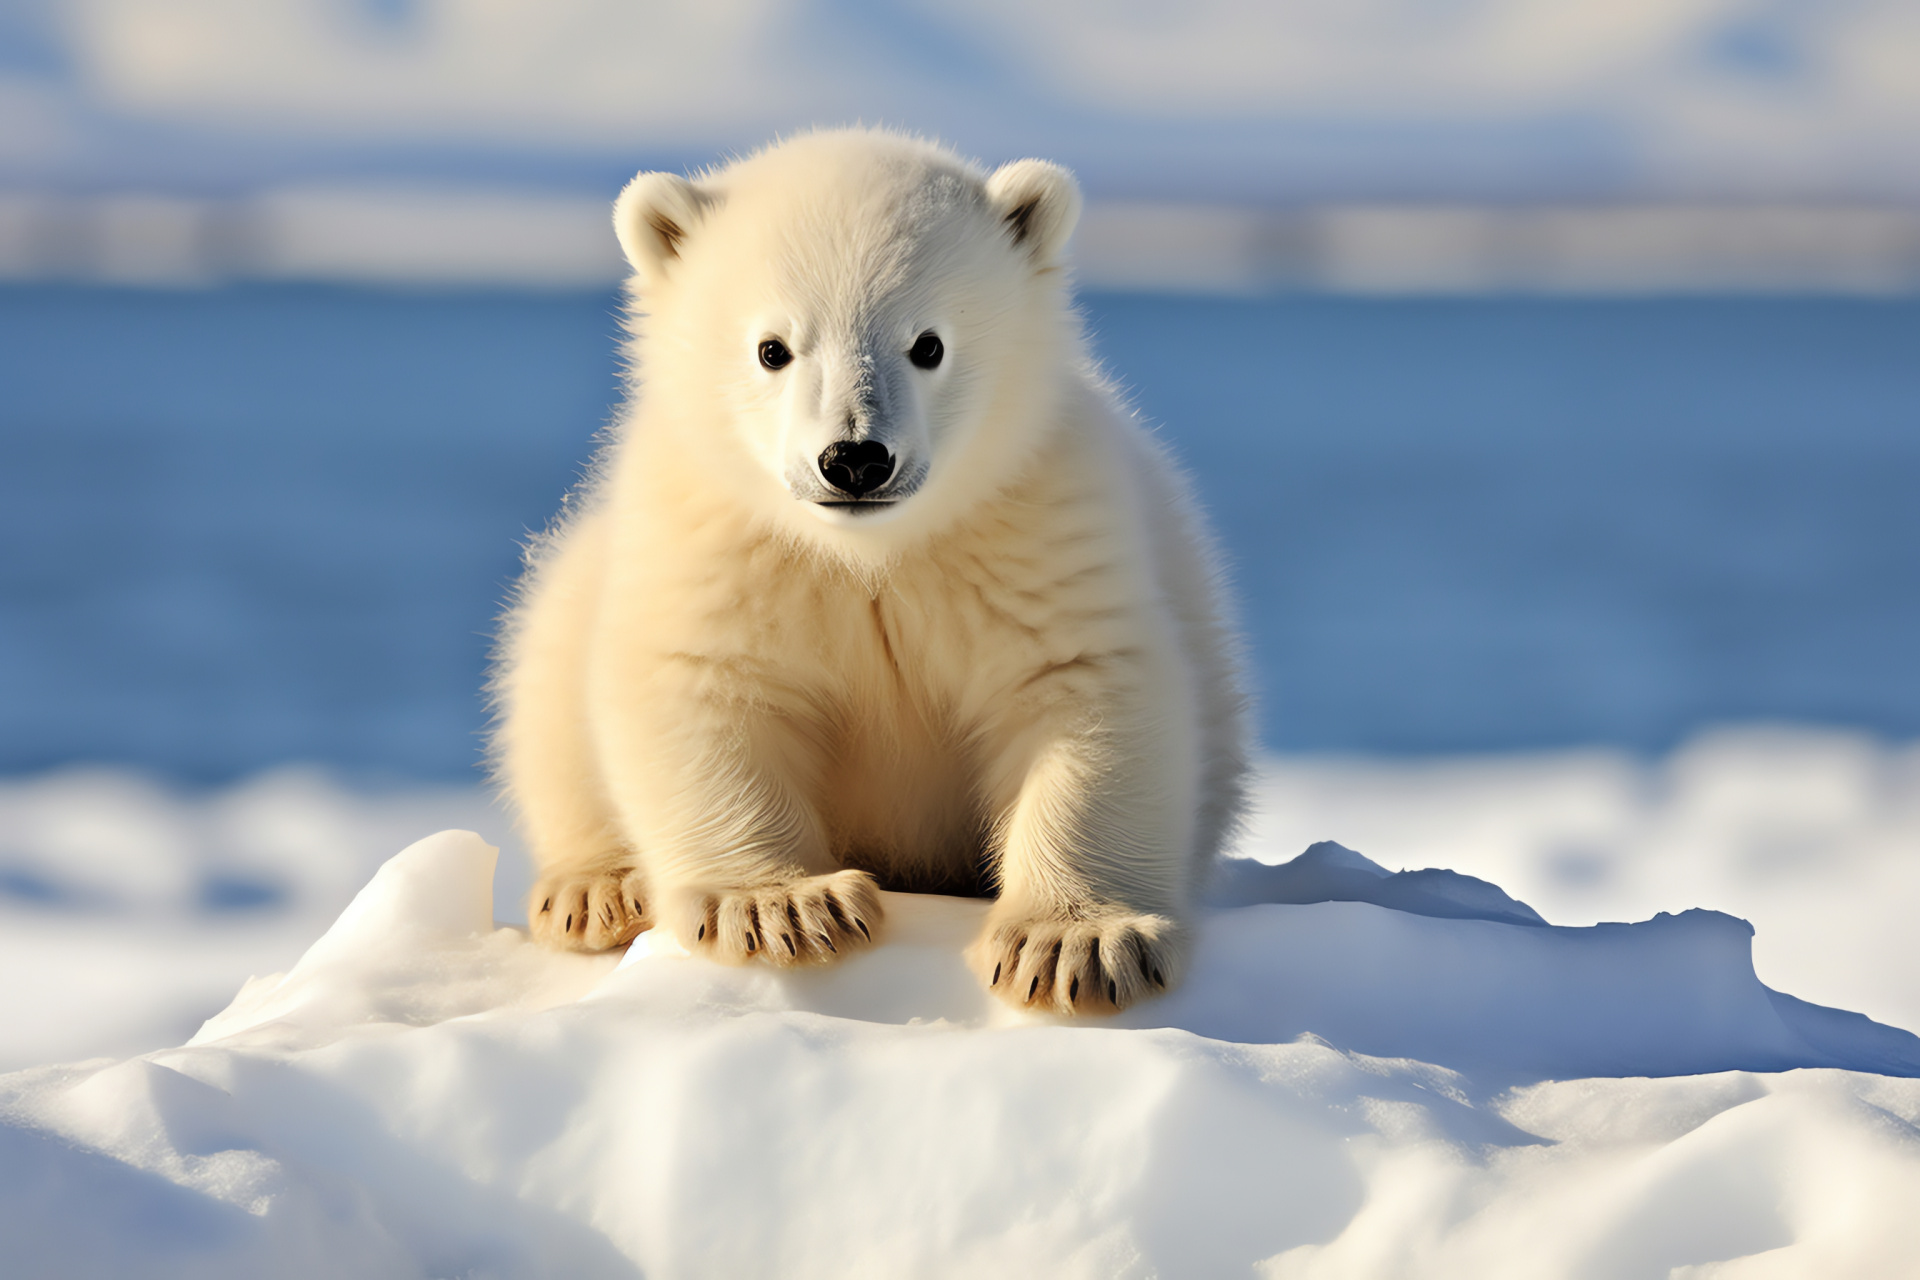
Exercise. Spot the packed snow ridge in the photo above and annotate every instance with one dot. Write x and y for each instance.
(1364, 1074)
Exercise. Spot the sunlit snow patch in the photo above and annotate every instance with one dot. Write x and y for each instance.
(1333, 1092)
(1454, 973)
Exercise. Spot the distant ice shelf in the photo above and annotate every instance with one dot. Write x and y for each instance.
(423, 235)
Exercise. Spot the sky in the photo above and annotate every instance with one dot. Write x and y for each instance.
(1204, 101)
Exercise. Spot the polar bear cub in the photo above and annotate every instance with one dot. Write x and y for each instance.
(874, 586)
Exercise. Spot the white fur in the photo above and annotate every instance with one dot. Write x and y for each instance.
(722, 705)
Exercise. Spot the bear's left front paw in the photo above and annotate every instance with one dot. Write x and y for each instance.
(1098, 965)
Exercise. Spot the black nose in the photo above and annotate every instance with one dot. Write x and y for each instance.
(856, 468)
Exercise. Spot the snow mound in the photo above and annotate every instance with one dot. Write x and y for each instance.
(1341, 1088)
(1329, 872)
(1674, 995)
(1810, 834)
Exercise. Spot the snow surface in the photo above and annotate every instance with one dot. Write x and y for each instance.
(427, 1094)
(1812, 836)
(130, 913)
(1368, 1073)
(138, 910)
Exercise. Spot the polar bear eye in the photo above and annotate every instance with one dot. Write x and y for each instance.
(927, 350)
(774, 354)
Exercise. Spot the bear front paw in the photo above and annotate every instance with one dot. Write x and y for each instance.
(812, 921)
(1098, 965)
(588, 910)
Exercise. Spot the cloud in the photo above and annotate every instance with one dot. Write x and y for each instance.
(1233, 57)
(561, 70)
(39, 119)
(1786, 96)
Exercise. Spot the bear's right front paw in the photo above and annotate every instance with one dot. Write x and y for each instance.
(588, 910)
(816, 920)
(1074, 966)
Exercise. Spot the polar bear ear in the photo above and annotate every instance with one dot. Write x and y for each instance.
(1039, 202)
(652, 218)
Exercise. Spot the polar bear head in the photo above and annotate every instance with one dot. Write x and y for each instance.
(858, 332)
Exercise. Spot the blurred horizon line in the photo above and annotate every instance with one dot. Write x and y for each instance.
(488, 237)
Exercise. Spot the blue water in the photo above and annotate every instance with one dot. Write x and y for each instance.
(256, 525)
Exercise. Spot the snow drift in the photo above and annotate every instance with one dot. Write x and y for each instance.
(1341, 1088)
